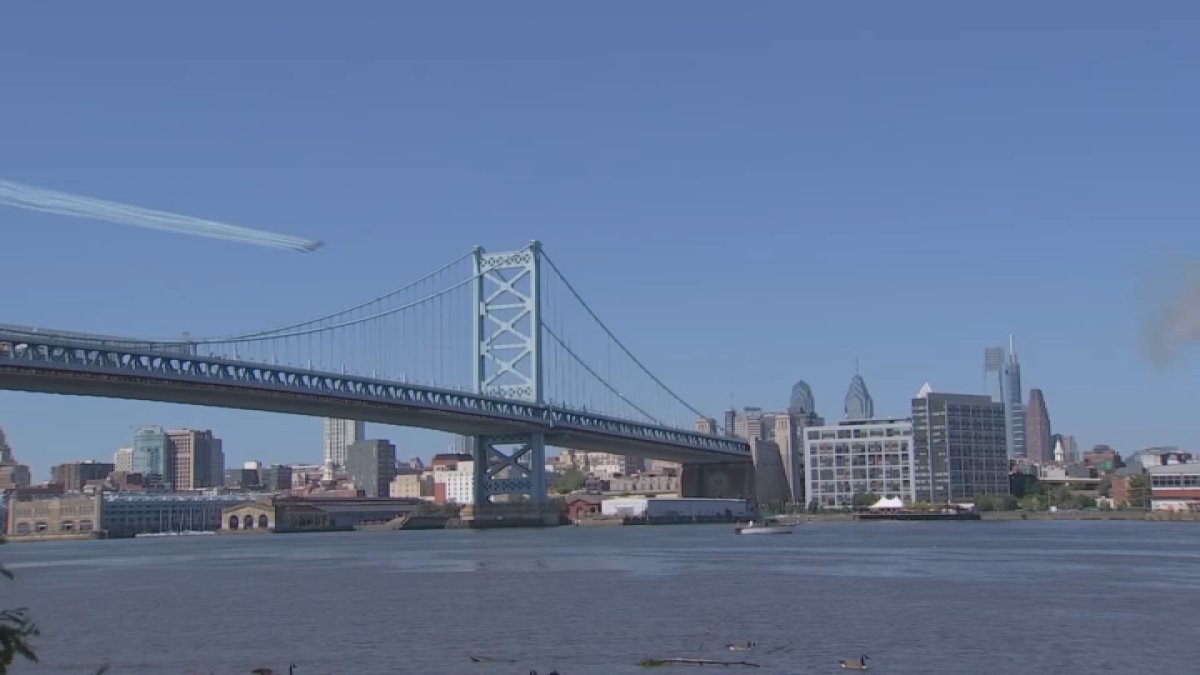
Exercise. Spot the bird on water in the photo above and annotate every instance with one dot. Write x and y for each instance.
(854, 664)
(268, 671)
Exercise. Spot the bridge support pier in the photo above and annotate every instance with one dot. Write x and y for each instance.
(510, 482)
(718, 480)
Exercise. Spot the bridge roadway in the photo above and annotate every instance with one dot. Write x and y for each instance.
(69, 365)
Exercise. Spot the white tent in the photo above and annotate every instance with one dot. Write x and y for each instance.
(886, 503)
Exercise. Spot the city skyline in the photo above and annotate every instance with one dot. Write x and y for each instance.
(672, 164)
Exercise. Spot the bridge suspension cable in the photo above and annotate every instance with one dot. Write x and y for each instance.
(622, 369)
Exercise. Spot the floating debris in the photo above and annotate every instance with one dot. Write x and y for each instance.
(656, 663)
(490, 659)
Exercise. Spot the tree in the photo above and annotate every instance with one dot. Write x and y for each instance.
(865, 499)
(16, 629)
(572, 480)
(1139, 491)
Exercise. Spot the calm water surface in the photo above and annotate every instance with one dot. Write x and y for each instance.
(922, 598)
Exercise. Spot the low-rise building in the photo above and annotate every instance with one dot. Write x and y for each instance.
(127, 514)
(412, 485)
(296, 514)
(657, 508)
(1175, 487)
(55, 516)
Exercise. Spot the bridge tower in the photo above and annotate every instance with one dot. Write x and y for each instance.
(508, 364)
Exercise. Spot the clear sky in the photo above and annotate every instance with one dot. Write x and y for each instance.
(750, 193)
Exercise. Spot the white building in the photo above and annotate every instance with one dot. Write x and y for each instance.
(339, 435)
(123, 460)
(1175, 487)
(657, 507)
(454, 481)
(859, 457)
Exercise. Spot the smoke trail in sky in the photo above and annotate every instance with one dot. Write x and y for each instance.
(1172, 305)
(61, 203)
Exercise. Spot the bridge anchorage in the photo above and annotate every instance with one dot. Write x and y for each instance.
(544, 370)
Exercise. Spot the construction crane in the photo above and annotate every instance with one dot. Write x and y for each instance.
(32, 198)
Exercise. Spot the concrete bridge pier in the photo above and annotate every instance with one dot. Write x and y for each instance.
(718, 480)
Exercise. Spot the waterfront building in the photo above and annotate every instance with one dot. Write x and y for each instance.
(338, 436)
(453, 479)
(371, 465)
(960, 446)
(653, 508)
(128, 514)
(859, 457)
(199, 459)
(123, 460)
(322, 514)
(1175, 487)
(74, 475)
(706, 425)
(54, 516)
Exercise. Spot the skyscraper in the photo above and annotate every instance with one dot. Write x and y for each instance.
(749, 424)
(123, 460)
(339, 435)
(199, 459)
(802, 401)
(1038, 445)
(858, 404)
(1014, 411)
(731, 416)
(153, 457)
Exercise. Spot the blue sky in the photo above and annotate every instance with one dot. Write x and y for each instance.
(750, 193)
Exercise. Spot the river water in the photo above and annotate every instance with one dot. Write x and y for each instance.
(978, 598)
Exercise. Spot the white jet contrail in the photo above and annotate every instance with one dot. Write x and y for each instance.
(51, 201)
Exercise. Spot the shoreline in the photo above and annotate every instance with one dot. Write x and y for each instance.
(1151, 516)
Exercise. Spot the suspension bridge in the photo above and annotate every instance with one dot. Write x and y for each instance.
(499, 347)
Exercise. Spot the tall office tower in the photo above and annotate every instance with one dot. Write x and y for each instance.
(339, 435)
(199, 459)
(1014, 410)
(1038, 446)
(372, 466)
(749, 424)
(951, 463)
(153, 457)
(731, 416)
(123, 460)
(802, 401)
(1008, 377)
(858, 403)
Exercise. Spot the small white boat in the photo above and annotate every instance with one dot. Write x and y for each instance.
(768, 526)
